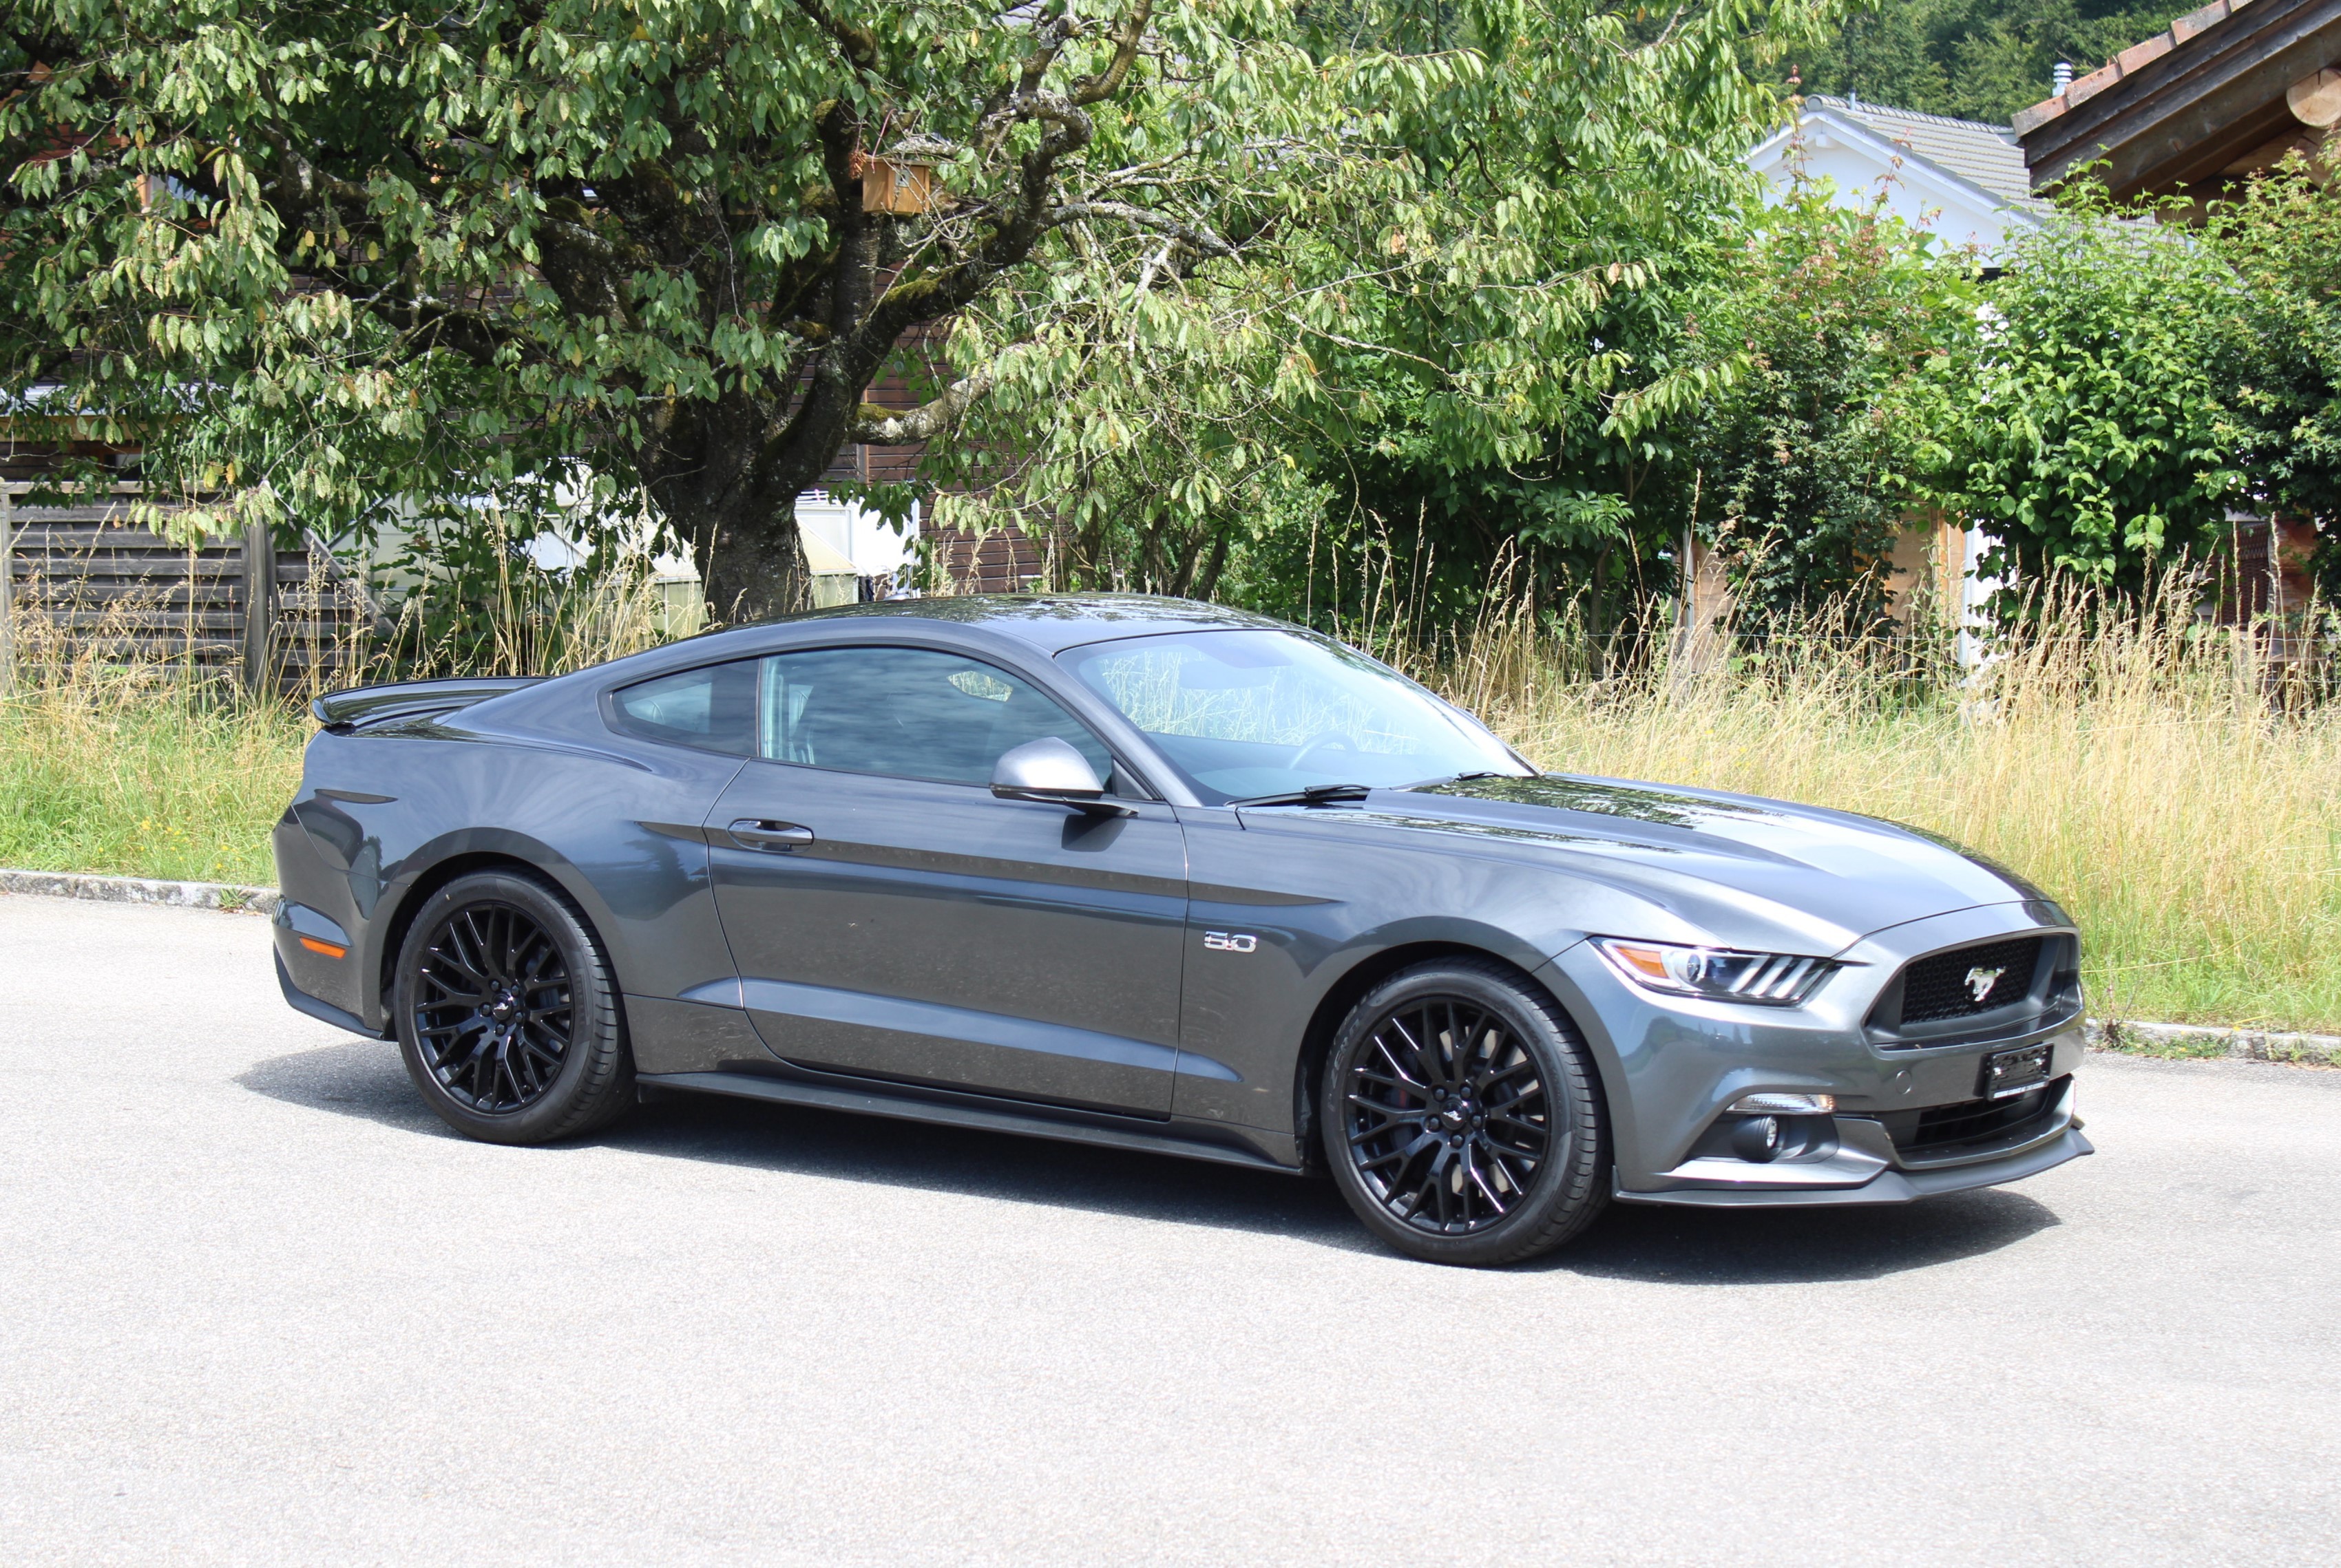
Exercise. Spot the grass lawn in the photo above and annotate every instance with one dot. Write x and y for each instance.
(156, 785)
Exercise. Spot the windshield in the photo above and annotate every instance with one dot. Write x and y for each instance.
(1244, 713)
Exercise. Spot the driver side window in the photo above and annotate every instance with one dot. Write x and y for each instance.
(909, 712)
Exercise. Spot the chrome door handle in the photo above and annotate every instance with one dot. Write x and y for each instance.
(755, 833)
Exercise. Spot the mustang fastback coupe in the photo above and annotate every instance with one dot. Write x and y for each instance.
(1168, 877)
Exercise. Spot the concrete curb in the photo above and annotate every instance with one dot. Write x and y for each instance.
(2201, 1040)
(2187, 1041)
(141, 890)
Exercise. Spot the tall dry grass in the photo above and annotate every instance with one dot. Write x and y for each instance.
(526, 621)
(2175, 790)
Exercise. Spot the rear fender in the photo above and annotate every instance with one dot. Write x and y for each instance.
(439, 862)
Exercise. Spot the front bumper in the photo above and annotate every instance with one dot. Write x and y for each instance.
(1913, 1118)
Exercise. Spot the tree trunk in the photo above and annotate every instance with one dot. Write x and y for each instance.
(751, 563)
(734, 502)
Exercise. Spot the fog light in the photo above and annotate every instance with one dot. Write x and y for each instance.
(1757, 1139)
(1780, 1102)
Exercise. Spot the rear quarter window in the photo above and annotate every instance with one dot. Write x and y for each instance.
(712, 708)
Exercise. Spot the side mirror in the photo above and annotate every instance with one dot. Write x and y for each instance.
(1049, 769)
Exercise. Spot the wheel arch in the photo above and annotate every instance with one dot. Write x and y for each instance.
(1346, 992)
(463, 861)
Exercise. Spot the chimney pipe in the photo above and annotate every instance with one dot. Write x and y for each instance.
(2061, 78)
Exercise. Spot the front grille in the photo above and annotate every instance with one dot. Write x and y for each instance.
(1938, 987)
(1939, 1129)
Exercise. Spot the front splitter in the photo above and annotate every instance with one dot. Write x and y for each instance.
(1889, 1186)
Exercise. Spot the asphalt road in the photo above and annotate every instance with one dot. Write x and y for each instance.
(256, 1306)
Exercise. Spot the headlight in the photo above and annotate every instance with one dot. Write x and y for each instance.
(1717, 974)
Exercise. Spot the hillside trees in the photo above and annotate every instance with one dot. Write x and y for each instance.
(1974, 59)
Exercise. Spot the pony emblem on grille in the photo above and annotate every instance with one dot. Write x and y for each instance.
(1981, 980)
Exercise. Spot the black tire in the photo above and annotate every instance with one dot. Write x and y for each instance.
(508, 1015)
(1429, 1120)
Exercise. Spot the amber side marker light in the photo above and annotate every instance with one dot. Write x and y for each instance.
(327, 949)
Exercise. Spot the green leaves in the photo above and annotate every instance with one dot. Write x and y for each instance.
(2086, 429)
(1454, 230)
(1802, 466)
(2281, 367)
(342, 256)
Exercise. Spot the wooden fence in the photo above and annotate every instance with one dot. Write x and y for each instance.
(79, 578)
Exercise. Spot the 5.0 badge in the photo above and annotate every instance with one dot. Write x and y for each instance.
(1231, 941)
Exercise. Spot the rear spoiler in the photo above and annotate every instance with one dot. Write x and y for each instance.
(364, 705)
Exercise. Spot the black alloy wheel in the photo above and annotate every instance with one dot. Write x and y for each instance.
(508, 1017)
(1448, 1119)
(492, 1007)
(1461, 1118)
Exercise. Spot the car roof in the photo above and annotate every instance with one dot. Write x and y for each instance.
(1051, 621)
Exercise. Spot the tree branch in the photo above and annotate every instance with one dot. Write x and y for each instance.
(888, 427)
(301, 187)
(859, 44)
(1196, 239)
(1108, 82)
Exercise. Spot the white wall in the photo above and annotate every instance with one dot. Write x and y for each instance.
(857, 534)
(1861, 167)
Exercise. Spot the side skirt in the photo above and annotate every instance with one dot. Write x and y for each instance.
(1188, 1140)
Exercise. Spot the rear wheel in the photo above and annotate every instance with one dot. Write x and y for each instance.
(508, 1018)
(1461, 1117)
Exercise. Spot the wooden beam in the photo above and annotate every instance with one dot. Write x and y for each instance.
(2315, 100)
(2269, 154)
(2181, 108)
(2215, 128)
(2208, 159)
(259, 609)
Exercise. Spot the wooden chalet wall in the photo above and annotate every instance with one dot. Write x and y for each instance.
(2225, 91)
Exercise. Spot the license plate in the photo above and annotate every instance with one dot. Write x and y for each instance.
(2007, 1073)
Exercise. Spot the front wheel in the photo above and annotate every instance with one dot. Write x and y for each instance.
(1462, 1118)
(508, 1017)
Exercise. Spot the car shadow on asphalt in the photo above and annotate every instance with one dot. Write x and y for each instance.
(1630, 1241)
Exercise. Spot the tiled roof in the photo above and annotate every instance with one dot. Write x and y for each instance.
(2135, 58)
(1983, 155)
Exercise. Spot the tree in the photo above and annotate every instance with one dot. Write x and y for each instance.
(2087, 432)
(2283, 365)
(312, 255)
(1974, 59)
(1808, 465)
(1462, 336)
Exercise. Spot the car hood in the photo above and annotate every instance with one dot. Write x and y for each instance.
(1732, 868)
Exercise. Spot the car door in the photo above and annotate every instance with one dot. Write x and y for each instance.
(891, 917)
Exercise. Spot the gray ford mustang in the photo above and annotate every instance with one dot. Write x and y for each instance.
(1164, 876)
